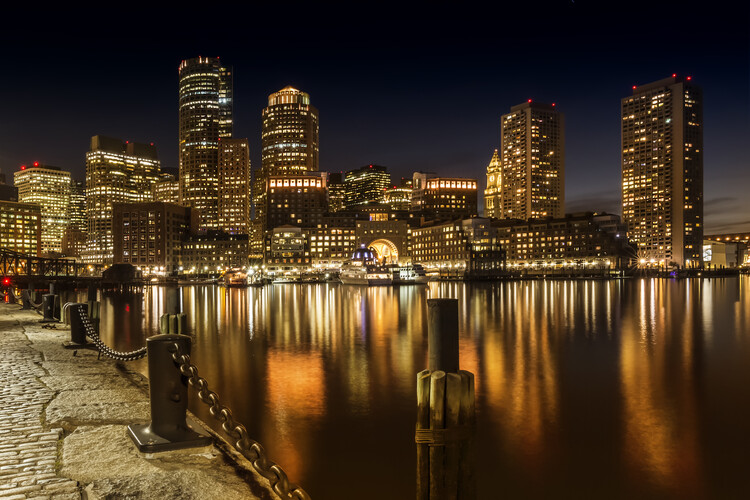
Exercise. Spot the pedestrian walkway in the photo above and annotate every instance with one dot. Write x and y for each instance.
(63, 432)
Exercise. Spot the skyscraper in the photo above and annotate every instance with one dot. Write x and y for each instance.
(366, 185)
(116, 172)
(49, 187)
(662, 171)
(494, 187)
(205, 100)
(234, 186)
(289, 147)
(532, 152)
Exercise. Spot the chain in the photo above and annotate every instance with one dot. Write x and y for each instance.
(91, 332)
(250, 449)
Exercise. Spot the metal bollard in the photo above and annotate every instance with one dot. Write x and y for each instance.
(170, 429)
(25, 299)
(48, 308)
(77, 330)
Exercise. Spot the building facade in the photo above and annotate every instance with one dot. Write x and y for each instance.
(492, 193)
(365, 185)
(399, 197)
(212, 252)
(296, 200)
(116, 172)
(149, 235)
(48, 187)
(21, 227)
(234, 186)
(532, 153)
(662, 171)
(167, 189)
(443, 198)
(289, 142)
(205, 115)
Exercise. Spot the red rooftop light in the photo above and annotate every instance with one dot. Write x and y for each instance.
(690, 77)
(529, 100)
(674, 75)
(36, 163)
(553, 103)
(23, 167)
(634, 87)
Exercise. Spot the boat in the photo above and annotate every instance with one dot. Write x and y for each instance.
(412, 274)
(363, 269)
(235, 278)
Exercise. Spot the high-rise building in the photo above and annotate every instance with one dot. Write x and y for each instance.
(205, 100)
(365, 185)
(296, 200)
(116, 172)
(336, 193)
(289, 147)
(532, 152)
(662, 171)
(49, 187)
(77, 214)
(443, 198)
(167, 188)
(234, 186)
(21, 227)
(494, 187)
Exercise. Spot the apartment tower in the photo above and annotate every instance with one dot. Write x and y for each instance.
(205, 110)
(662, 171)
(234, 186)
(532, 151)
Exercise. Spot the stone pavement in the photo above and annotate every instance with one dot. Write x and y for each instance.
(63, 429)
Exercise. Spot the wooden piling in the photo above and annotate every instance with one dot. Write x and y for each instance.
(437, 423)
(423, 422)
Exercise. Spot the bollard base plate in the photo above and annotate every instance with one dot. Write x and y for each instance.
(147, 441)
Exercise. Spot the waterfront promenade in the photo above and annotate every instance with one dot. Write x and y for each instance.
(63, 432)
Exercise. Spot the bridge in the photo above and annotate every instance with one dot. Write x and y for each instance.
(22, 268)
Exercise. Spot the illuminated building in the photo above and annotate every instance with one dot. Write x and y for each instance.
(297, 200)
(77, 215)
(205, 102)
(388, 237)
(167, 188)
(399, 197)
(365, 185)
(213, 252)
(532, 155)
(49, 187)
(287, 250)
(330, 247)
(234, 186)
(116, 172)
(149, 235)
(289, 141)
(494, 187)
(662, 171)
(336, 193)
(443, 198)
(21, 227)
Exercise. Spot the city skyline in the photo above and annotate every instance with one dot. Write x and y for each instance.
(420, 101)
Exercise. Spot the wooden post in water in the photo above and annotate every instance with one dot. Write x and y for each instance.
(445, 412)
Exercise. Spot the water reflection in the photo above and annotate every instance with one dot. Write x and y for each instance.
(616, 389)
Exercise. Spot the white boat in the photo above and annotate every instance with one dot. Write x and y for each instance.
(364, 269)
(413, 274)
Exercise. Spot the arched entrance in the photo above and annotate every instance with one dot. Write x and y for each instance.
(385, 251)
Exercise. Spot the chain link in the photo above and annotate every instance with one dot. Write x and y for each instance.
(103, 348)
(250, 449)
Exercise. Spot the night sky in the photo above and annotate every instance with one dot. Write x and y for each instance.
(411, 88)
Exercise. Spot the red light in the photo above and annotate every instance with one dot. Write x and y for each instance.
(633, 87)
(36, 163)
(689, 78)
(529, 100)
(152, 143)
(127, 307)
(674, 75)
(6, 281)
(553, 103)
(23, 167)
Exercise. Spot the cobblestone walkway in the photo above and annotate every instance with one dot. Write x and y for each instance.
(29, 452)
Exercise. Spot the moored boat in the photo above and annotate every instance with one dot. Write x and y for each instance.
(364, 269)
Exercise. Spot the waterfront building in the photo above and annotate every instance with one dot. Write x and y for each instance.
(149, 235)
(460, 248)
(399, 197)
(116, 172)
(662, 171)
(21, 227)
(492, 194)
(725, 254)
(336, 194)
(49, 187)
(388, 238)
(577, 241)
(443, 198)
(167, 188)
(205, 115)
(365, 185)
(213, 252)
(287, 251)
(532, 153)
(234, 186)
(297, 200)
(289, 140)
(331, 247)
